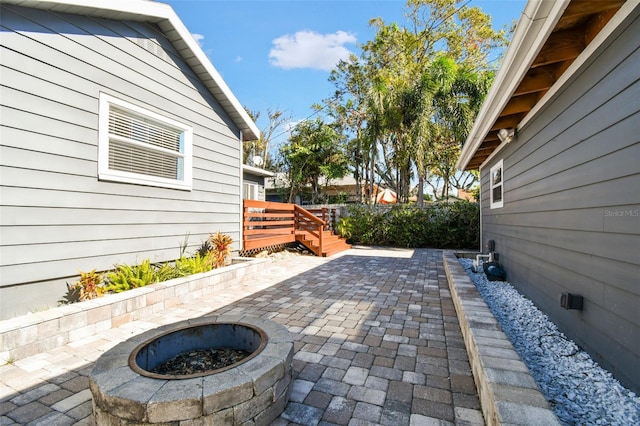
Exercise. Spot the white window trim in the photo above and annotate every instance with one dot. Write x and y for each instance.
(496, 204)
(104, 173)
(253, 191)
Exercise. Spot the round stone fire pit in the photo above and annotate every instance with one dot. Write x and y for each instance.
(184, 353)
(126, 390)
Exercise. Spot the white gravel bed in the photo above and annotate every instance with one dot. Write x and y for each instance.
(579, 391)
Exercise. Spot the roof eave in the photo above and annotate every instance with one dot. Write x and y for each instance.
(216, 83)
(256, 171)
(163, 15)
(536, 23)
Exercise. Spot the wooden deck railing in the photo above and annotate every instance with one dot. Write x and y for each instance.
(267, 224)
(309, 224)
(327, 215)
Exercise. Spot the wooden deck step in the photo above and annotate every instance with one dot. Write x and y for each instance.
(268, 223)
(332, 243)
(335, 248)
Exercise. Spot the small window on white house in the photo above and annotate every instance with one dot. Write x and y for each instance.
(141, 147)
(250, 191)
(496, 179)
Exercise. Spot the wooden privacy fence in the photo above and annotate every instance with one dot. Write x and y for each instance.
(268, 224)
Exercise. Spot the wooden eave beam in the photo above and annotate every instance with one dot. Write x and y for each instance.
(476, 163)
(492, 137)
(507, 121)
(561, 46)
(581, 8)
(482, 154)
(596, 23)
(486, 150)
(536, 80)
(523, 103)
(580, 24)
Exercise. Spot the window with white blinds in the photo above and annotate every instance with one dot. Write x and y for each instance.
(142, 147)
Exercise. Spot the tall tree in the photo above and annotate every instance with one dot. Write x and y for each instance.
(347, 108)
(416, 88)
(314, 151)
(457, 94)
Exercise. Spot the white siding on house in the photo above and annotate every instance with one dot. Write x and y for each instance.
(571, 215)
(56, 217)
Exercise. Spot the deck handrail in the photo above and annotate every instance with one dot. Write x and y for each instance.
(327, 214)
(306, 221)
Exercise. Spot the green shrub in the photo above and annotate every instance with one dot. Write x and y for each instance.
(166, 272)
(126, 277)
(442, 225)
(359, 225)
(194, 265)
(407, 226)
(464, 225)
(213, 253)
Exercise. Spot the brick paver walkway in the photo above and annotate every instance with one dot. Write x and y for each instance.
(377, 341)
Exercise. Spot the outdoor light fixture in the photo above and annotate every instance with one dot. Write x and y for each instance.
(506, 135)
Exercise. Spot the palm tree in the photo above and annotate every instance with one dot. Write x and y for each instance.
(454, 94)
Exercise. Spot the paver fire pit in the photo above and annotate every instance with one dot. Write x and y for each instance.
(252, 386)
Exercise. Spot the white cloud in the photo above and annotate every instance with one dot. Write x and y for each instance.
(239, 58)
(308, 49)
(199, 38)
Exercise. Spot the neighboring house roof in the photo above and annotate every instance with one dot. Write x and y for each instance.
(344, 181)
(255, 171)
(280, 179)
(176, 32)
(552, 41)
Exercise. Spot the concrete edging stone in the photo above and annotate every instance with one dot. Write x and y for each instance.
(28, 335)
(508, 393)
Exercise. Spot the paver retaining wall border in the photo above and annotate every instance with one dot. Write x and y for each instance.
(508, 393)
(31, 334)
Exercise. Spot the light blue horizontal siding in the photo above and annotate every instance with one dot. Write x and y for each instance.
(571, 215)
(55, 216)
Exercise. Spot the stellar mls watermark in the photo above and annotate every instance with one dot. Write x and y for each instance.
(622, 212)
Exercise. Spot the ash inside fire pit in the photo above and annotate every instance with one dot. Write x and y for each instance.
(201, 361)
(195, 351)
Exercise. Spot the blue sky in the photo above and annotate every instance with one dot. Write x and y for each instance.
(278, 54)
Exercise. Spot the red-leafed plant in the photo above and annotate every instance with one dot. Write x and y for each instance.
(220, 248)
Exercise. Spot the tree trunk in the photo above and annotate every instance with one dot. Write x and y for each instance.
(314, 191)
(372, 177)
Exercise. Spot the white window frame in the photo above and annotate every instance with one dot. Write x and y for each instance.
(251, 191)
(107, 174)
(494, 185)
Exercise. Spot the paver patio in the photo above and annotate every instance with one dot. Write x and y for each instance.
(377, 341)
